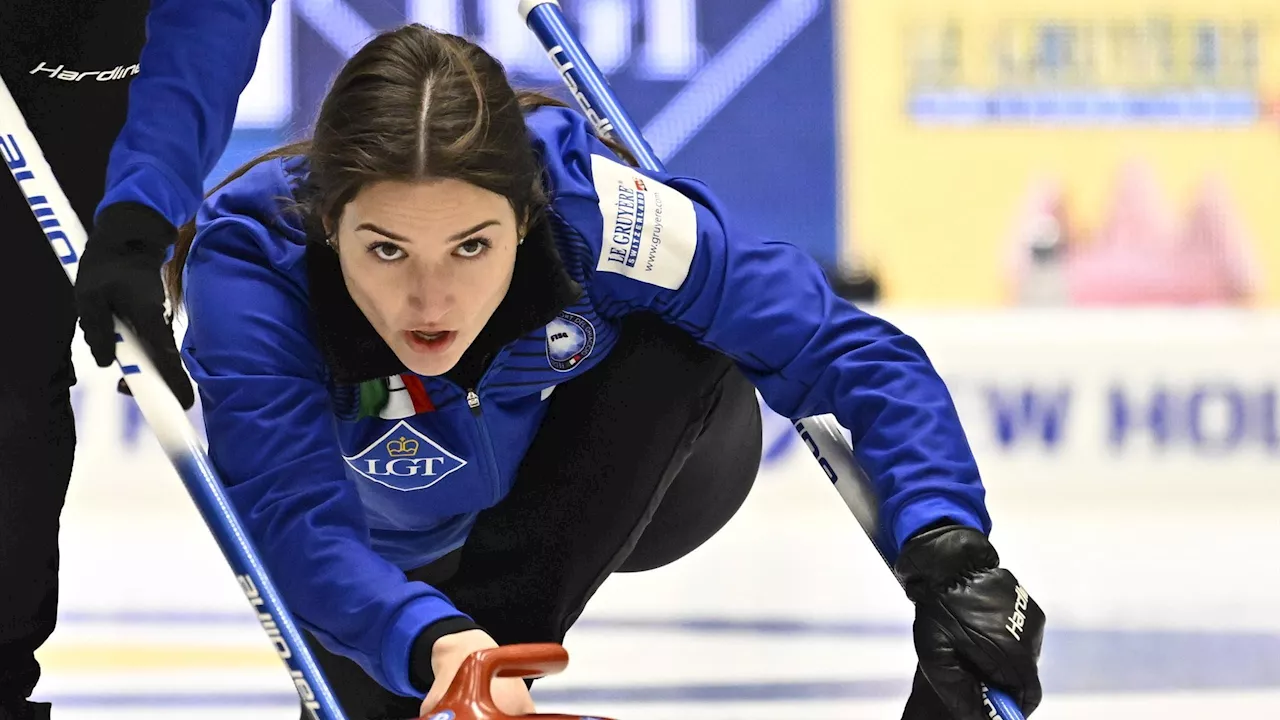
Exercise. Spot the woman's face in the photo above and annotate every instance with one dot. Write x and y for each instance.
(427, 263)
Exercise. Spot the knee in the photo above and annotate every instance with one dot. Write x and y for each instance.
(711, 486)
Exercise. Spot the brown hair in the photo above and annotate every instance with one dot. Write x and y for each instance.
(413, 104)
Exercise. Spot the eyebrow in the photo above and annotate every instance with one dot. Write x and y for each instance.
(452, 238)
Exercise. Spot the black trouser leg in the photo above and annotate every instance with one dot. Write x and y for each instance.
(37, 441)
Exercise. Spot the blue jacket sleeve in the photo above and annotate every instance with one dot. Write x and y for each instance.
(199, 56)
(665, 245)
(272, 440)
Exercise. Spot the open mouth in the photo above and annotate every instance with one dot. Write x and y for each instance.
(430, 341)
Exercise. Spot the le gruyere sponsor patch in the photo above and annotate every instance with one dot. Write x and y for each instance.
(650, 229)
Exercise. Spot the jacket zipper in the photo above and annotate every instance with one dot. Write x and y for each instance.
(473, 401)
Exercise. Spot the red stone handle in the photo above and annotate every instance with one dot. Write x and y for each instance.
(470, 696)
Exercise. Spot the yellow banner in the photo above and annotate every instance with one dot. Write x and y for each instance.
(1001, 152)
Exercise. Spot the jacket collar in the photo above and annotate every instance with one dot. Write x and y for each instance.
(354, 352)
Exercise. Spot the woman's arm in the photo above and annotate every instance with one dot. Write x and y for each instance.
(666, 245)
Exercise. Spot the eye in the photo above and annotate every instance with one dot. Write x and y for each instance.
(386, 251)
(472, 248)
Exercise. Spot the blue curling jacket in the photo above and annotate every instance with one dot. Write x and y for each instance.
(345, 482)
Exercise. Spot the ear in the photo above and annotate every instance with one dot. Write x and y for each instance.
(330, 233)
(523, 221)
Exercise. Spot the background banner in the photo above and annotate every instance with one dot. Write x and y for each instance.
(1064, 151)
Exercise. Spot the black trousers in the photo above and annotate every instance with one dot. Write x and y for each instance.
(639, 461)
(75, 123)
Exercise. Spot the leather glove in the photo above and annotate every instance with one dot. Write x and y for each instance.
(120, 275)
(974, 624)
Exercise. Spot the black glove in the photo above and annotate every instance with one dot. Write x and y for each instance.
(120, 275)
(974, 624)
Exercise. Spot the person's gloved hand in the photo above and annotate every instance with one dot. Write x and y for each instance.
(120, 275)
(974, 624)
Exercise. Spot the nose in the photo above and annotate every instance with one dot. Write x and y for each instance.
(431, 296)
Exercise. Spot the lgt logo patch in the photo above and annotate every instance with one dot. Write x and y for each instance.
(405, 459)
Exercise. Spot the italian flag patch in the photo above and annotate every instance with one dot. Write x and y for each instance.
(394, 398)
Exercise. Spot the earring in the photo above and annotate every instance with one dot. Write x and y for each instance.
(521, 242)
